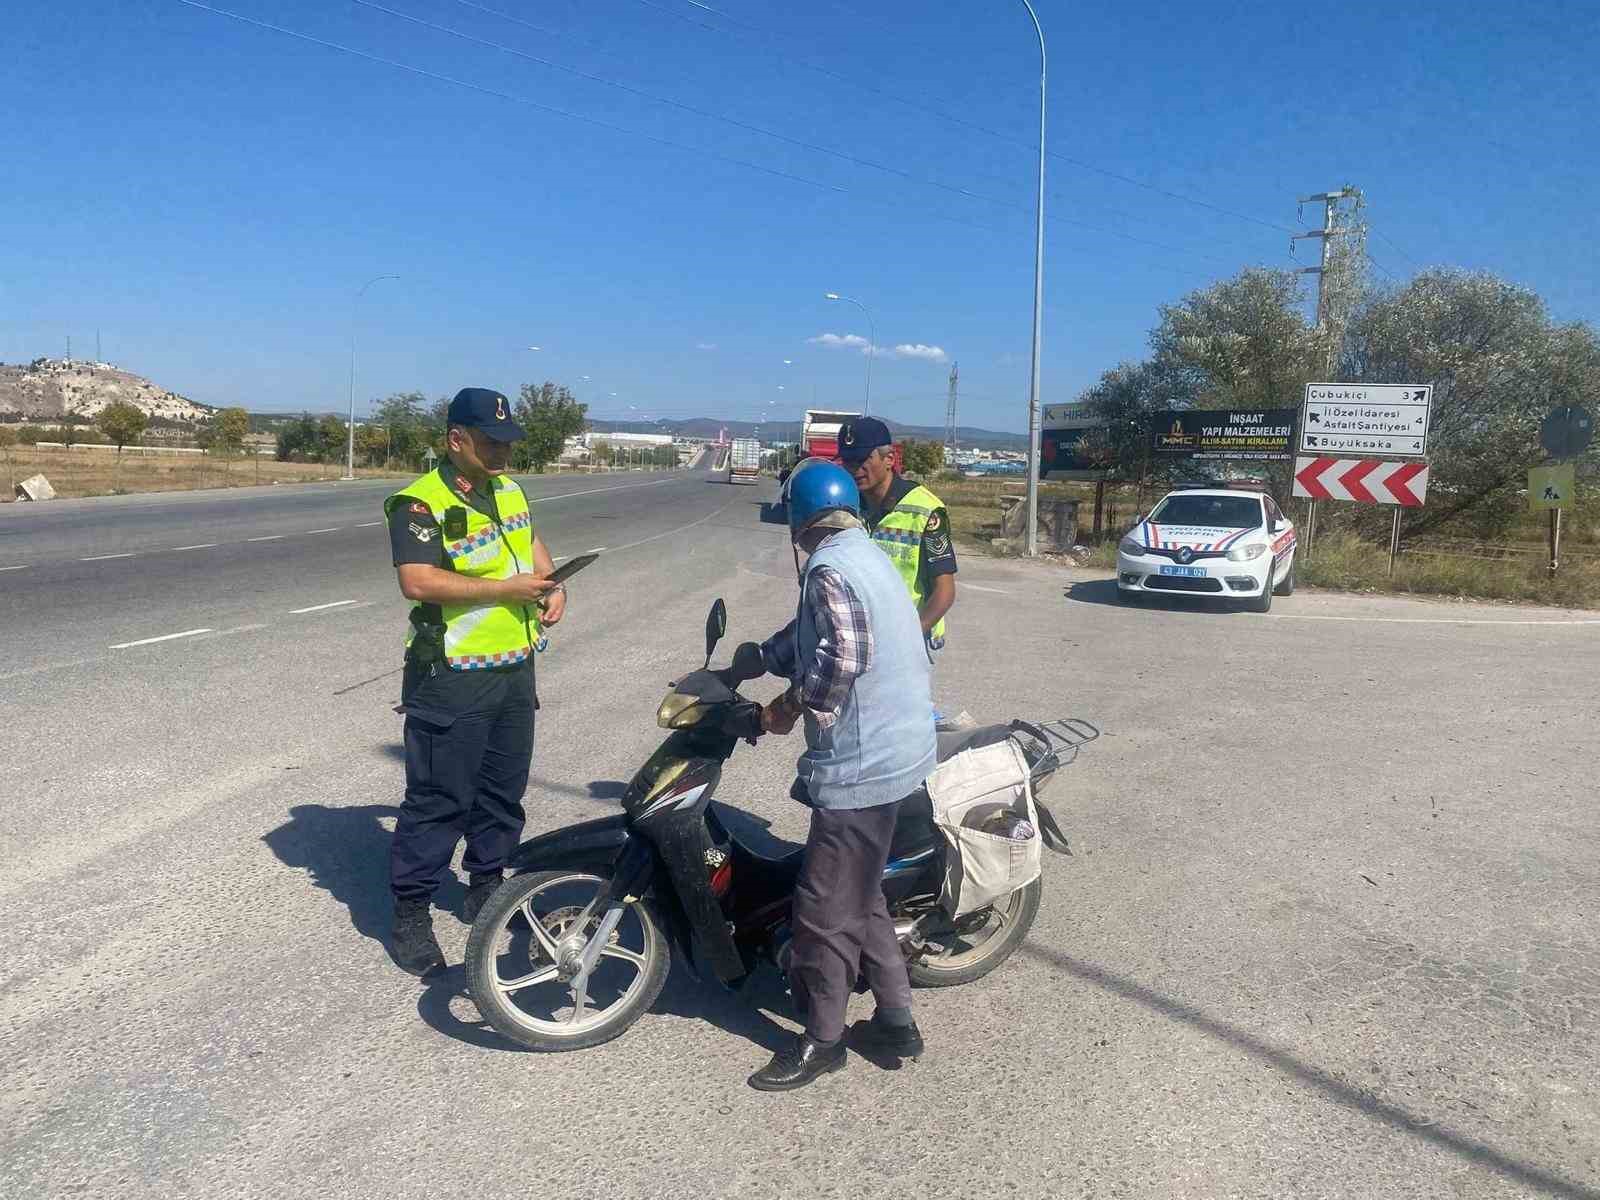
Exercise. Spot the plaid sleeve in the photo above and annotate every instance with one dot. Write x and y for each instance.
(844, 643)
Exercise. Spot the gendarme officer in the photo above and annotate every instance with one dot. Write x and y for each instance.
(476, 571)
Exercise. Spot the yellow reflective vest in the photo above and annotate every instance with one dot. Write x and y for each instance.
(899, 535)
(483, 635)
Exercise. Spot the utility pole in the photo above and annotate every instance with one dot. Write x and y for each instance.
(950, 414)
(69, 347)
(1329, 231)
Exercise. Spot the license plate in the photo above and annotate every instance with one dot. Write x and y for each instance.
(1186, 572)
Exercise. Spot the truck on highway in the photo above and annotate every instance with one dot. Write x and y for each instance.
(819, 435)
(744, 460)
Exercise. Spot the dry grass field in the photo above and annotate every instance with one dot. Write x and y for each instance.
(96, 471)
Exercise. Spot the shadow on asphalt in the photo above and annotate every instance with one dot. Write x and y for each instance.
(1419, 1125)
(1104, 592)
(345, 851)
(602, 791)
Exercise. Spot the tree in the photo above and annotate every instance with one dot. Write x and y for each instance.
(331, 439)
(405, 421)
(298, 440)
(551, 414)
(67, 431)
(122, 423)
(29, 435)
(1242, 343)
(922, 458)
(1497, 364)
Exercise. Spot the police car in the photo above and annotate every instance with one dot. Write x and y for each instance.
(1209, 542)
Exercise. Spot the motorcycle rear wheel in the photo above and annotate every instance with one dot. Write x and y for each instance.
(513, 969)
(963, 950)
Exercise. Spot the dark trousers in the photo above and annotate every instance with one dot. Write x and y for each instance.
(469, 742)
(841, 923)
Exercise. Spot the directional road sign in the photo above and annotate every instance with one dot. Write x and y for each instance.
(1364, 480)
(1366, 418)
(1551, 487)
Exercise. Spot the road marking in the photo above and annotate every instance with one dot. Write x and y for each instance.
(595, 491)
(18, 567)
(596, 550)
(330, 529)
(196, 546)
(320, 607)
(166, 637)
(103, 557)
(1430, 620)
(978, 587)
(656, 537)
(368, 524)
(240, 629)
(271, 537)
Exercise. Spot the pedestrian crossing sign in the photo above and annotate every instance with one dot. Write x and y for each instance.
(1551, 487)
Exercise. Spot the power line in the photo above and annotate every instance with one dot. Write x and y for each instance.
(1388, 241)
(929, 109)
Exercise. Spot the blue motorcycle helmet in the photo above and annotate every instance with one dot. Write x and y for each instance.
(819, 492)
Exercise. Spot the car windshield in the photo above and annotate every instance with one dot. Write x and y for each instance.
(1226, 512)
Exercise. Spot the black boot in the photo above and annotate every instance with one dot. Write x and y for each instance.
(798, 1064)
(877, 1035)
(412, 943)
(479, 889)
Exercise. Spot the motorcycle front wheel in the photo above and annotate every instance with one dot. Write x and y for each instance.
(968, 948)
(552, 970)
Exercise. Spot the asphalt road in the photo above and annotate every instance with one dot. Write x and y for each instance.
(1329, 930)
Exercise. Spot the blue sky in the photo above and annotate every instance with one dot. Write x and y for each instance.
(209, 195)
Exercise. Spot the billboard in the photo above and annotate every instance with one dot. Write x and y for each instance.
(1072, 444)
(1259, 435)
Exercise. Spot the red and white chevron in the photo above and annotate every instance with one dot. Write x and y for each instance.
(1364, 480)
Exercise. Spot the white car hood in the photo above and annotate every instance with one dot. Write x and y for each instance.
(1156, 536)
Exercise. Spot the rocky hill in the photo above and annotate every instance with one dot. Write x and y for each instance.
(49, 388)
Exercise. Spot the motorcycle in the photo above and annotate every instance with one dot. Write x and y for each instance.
(577, 943)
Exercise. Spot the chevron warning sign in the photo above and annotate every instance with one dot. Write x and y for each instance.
(1364, 480)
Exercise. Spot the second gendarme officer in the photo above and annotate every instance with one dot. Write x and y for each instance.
(477, 573)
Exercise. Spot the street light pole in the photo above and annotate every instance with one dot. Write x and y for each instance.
(872, 344)
(350, 449)
(1032, 541)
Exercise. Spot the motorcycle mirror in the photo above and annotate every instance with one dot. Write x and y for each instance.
(716, 626)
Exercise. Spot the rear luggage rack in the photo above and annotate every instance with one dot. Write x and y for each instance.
(1056, 743)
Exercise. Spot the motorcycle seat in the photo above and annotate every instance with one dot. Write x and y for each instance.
(952, 742)
(752, 837)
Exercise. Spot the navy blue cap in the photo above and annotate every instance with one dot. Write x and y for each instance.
(860, 436)
(486, 411)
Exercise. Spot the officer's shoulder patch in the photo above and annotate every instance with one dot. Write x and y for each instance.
(423, 533)
(939, 545)
(420, 508)
(935, 520)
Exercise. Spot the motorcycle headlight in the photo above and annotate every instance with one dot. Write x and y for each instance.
(678, 711)
(1247, 553)
(1131, 548)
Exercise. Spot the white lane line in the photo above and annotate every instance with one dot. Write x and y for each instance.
(368, 524)
(978, 587)
(656, 537)
(330, 529)
(18, 567)
(596, 491)
(271, 537)
(1430, 620)
(103, 557)
(596, 550)
(239, 629)
(320, 607)
(197, 546)
(166, 637)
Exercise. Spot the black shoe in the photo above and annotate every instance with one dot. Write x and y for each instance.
(479, 889)
(798, 1064)
(902, 1041)
(412, 943)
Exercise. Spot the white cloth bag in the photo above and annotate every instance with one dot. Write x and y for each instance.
(967, 791)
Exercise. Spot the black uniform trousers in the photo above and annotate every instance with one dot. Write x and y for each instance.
(469, 743)
(841, 922)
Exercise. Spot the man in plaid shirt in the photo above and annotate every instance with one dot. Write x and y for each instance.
(859, 678)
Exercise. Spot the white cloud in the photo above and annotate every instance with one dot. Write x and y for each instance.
(705, 346)
(841, 341)
(933, 354)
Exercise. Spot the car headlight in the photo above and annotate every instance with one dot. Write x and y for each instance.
(1131, 548)
(1247, 553)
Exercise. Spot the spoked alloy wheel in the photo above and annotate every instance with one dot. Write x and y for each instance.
(969, 947)
(552, 970)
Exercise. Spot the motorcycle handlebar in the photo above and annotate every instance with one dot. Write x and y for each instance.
(747, 663)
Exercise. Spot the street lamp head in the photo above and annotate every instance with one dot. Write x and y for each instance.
(831, 296)
(535, 348)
